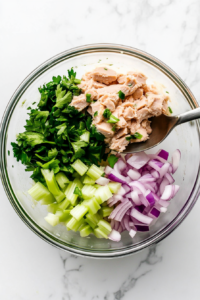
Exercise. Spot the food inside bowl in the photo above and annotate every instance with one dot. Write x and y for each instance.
(84, 186)
(121, 105)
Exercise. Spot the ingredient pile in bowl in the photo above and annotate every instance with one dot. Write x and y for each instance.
(121, 105)
(85, 187)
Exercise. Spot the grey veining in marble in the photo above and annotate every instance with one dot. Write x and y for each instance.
(33, 31)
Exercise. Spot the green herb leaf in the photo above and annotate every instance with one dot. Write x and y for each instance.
(112, 159)
(96, 114)
(105, 69)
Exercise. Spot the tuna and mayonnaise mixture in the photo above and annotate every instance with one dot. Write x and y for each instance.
(129, 103)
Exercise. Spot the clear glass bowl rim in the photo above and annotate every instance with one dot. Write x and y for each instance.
(85, 49)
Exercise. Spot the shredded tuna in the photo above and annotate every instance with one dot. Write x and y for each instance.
(139, 103)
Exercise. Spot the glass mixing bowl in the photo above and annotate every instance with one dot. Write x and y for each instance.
(185, 137)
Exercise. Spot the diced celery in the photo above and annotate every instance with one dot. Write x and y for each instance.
(68, 220)
(92, 205)
(78, 183)
(88, 191)
(64, 216)
(79, 211)
(99, 233)
(40, 192)
(85, 137)
(106, 211)
(94, 172)
(102, 194)
(92, 220)
(52, 208)
(88, 180)
(97, 186)
(52, 184)
(85, 230)
(64, 204)
(104, 226)
(76, 175)
(69, 193)
(102, 168)
(62, 180)
(80, 167)
(47, 201)
(114, 187)
(74, 224)
(52, 219)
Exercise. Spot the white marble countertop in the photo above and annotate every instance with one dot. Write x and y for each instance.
(30, 33)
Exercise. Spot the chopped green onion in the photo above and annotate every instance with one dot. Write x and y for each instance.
(88, 98)
(113, 119)
(170, 110)
(121, 95)
(136, 135)
(114, 127)
(107, 113)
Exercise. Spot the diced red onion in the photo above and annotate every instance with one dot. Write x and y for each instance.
(140, 217)
(102, 181)
(120, 229)
(132, 233)
(126, 188)
(176, 156)
(163, 203)
(163, 184)
(163, 154)
(150, 198)
(176, 188)
(138, 160)
(114, 236)
(155, 174)
(141, 227)
(164, 169)
(154, 213)
(139, 186)
(126, 222)
(168, 193)
(163, 209)
(140, 208)
(115, 176)
(121, 191)
(169, 178)
(122, 212)
(133, 174)
(108, 170)
(120, 165)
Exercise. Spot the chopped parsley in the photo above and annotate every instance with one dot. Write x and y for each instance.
(8, 152)
(96, 114)
(170, 110)
(53, 130)
(167, 92)
(107, 113)
(112, 159)
(121, 95)
(130, 84)
(135, 136)
(88, 98)
(105, 69)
